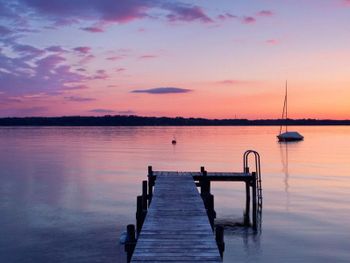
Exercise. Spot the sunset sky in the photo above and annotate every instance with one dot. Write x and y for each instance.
(212, 59)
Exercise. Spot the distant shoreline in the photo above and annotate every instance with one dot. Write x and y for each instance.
(121, 120)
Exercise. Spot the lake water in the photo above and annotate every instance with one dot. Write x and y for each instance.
(66, 193)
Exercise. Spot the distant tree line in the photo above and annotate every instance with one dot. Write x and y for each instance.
(121, 120)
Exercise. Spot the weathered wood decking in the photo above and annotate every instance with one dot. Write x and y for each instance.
(176, 228)
(174, 223)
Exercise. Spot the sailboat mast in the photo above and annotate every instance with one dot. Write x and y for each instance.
(286, 99)
(284, 112)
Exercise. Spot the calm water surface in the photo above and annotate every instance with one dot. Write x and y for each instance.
(66, 193)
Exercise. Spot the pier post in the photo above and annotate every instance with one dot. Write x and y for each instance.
(247, 204)
(208, 198)
(130, 242)
(144, 195)
(254, 201)
(209, 205)
(205, 183)
(150, 184)
(219, 237)
(140, 214)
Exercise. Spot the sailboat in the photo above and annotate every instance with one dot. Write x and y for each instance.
(287, 136)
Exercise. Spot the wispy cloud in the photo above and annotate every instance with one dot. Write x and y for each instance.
(79, 99)
(226, 16)
(120, 69)
(83, 50)
(114, 58)
(162, 90)
(186, 13)
(102, 111)
(58, 49)
(265, 13)
(100, 74)
(111, 11)
(147, 56)
(230, 82)
(248, 20)
(33, 71)
(93, 29)
(27, 51)
(75, 87)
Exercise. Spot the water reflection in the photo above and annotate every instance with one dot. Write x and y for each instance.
(285, 170)
(66, 193)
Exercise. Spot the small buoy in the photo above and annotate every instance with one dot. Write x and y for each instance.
(173, 141)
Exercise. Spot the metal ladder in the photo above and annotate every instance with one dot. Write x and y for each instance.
(258, 174)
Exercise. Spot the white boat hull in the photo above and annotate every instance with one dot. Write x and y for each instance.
(290, 137)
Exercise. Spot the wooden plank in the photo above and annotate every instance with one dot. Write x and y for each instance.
(212, 176)
(176, 228)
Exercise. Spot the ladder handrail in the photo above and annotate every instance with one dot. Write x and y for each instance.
(257, 171)
(257, 161)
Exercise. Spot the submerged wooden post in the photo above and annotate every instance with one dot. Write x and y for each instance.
(247, 204)
(254, 201)
(130, 242)
(219, 236)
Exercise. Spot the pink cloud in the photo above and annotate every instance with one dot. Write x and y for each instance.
(231, 82)
(114, 58)
(265, 13)
(248, 20)
(83, 50)
(147, 56)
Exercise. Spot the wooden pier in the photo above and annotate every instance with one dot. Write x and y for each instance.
(175, 223)
(176, 228)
